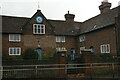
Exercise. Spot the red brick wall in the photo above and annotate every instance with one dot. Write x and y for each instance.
(47, 43)
(70, 42)
(99, 37)
(6, 44)
(118, 33)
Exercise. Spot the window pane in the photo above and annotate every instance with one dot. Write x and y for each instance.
(35, 28)
(14, 51)
(42, 30)
(39, 31)
(101, 49)
(107, 49)
(57, 38)
(39, 27)
(11, 37)
(62, 39)
(11, 51)
(17, 52)
(42, 26)
(16, 37)
(104, 49)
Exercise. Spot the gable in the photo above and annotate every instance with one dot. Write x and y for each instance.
(37, 18)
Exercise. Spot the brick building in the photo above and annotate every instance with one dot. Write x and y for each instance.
(100, 33)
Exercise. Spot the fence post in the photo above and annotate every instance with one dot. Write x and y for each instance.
(65, 68)
(1, 72)
(91, 66)
(36, 70)
(113, 68)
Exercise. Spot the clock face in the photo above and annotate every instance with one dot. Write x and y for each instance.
(39, 19)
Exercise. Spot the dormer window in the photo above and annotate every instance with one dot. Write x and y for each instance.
(38, 29)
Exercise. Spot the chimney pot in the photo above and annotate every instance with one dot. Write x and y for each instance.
(68, 12)
(69, 17)
(105, 6)
(105, 0)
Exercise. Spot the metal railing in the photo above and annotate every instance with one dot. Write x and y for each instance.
(89, 70)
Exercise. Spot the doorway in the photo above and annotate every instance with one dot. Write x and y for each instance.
(39, 51)
(72, 53)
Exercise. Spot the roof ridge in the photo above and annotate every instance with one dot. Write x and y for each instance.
(15, 16)
(56, 20)
(62, 21)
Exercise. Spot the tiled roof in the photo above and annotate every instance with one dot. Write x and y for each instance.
(13, 24)
(65, 28)
(99, 21)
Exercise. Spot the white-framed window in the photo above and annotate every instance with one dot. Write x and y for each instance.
(60, 38)
(15, 37)
(82, 48)
(82, 38)
(105, 48)
(61, 49)
(14, 51)
(38, 29)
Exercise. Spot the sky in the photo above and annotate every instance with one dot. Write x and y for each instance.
(53, 9)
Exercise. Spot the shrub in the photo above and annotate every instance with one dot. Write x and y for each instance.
(106, 55)
(46, 56)
(30, 54)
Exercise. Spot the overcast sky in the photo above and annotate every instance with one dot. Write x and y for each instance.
(53, 9)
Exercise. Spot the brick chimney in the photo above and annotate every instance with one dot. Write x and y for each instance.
(105, 6)
(69, 17)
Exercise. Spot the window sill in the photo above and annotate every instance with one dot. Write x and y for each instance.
(38, 34)
(105, 53)
(60, 42)
(15, 55)
(15, 41)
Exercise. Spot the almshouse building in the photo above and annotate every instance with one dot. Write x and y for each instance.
(100, 34)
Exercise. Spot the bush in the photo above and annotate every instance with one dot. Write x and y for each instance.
(30, 54)
(106, 55)
(46, 56)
